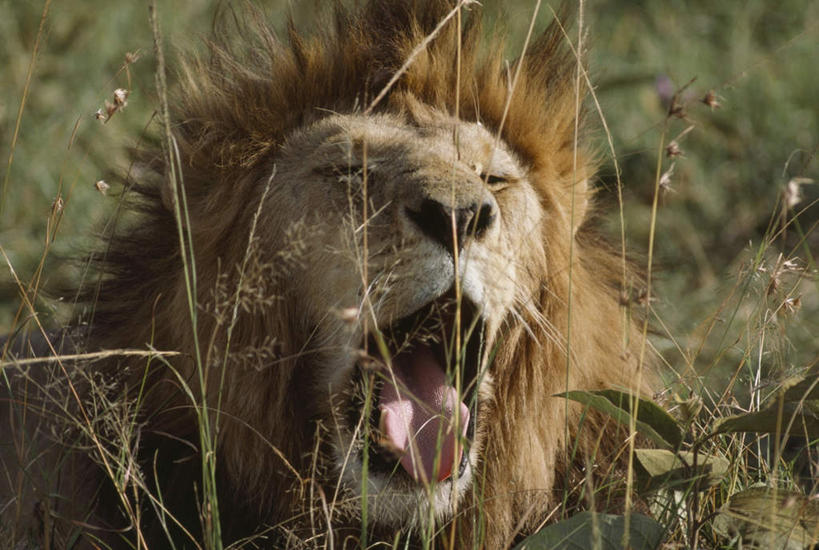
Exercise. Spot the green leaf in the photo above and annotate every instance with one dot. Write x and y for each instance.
(652, 421)
(650, 413)
(770, 518)
(794, 410)
(587, 530)
(659, 468)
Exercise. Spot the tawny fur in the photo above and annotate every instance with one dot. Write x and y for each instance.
(237, 105)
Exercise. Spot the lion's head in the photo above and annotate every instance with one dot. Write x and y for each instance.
(423, 223)
(392, 275)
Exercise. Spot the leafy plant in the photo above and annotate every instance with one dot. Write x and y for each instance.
(599, 531)
(782, 518)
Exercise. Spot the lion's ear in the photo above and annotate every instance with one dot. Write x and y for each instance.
(576, 212)
(570, 197)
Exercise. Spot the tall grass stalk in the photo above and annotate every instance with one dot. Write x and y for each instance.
(26, 87)
(210, 504)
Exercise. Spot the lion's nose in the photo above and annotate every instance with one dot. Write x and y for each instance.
(436, 219)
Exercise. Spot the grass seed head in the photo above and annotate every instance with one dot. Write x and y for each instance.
(673, 149)
(792, 304)
(121, 97)
(793, 191)
(119, 103)
(57, 205)
(102, 187)
(677, 109)
(779, 271)
(712, 100)
(665, 179)
(110, 108)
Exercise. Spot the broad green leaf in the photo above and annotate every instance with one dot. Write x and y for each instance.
(770, 421)
(650, 413)
(587, 530)
(770, 518)
(659, 468)
(652, 421)
(794, 409)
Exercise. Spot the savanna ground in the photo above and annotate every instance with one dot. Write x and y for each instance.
(712, 110)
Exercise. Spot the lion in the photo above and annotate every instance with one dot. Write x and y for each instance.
(359, 271)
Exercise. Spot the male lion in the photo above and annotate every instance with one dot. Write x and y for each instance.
(382, 236)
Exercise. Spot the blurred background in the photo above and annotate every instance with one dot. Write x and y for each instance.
(738, 189)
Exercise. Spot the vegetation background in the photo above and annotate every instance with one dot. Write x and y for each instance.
(732, 317)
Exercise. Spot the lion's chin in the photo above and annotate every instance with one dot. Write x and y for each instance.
(413, 409)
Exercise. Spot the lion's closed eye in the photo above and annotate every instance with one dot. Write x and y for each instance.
(497, 182)
(346, 173)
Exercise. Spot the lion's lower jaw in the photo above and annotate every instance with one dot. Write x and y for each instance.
(403, 503)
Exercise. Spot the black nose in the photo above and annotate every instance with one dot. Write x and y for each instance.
(436, 221)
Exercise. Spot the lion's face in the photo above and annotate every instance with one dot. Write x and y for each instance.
(400, 343)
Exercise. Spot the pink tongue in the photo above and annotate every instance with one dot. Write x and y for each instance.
(418, 416)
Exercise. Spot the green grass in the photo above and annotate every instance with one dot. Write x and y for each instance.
(737, 160)
(731, 318)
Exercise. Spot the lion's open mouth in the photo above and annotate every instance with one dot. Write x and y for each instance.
(421, 374)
